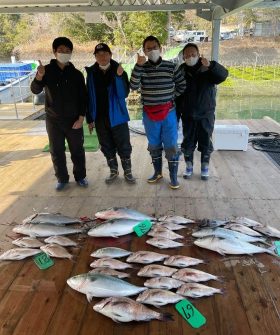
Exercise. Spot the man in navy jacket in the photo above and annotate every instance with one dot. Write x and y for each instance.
(108, 86)
(197, 106)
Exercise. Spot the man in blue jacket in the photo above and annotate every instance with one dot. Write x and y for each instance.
(197, 106)
(108, 87)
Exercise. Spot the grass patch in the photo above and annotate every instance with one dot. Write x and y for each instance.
(90, 141)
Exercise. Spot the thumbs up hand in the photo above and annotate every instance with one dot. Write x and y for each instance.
(40, 71)
(205, 62)
(120, 70)
(141, 60)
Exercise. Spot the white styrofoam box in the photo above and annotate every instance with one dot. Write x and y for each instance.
(230, 137)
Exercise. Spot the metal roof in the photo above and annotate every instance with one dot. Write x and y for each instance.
(208, 9)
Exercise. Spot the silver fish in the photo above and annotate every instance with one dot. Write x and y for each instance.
(175, 219)
(145, 257)
(231, 246)
(165, 233)
(55, 250)
(165, 283)
(226, 233)
(192, 275)
(269, 231)
(156, 270)
(50, 218)
(196, 290)
(181, 261)
(61, 240)
(109, 272)
(158, 297)
(28, 242)
(111, 252)
(122, 213)
(126, 310)
(247, 222)
(163, 243)
(18, 253)
(242, 229)
(98, 285)
(44, 230)
(113, 228)
(110, 263)
(168, 225)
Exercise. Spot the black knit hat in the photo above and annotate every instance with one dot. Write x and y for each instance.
(101, 47)
(62, 41)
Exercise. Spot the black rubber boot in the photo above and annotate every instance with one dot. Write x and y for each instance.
(126, 164)
(113, 165)
(173, 171)
(157, 163)
(189, 166)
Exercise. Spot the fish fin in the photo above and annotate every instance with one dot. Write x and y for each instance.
(115, 320)
(166, 317)
(89, 298)
(220, 252)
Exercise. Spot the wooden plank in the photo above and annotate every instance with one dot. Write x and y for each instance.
(72, 306)
(260, 310)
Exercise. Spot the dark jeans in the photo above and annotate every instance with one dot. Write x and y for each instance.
(198, 132)
(59, 131)
(113, 140)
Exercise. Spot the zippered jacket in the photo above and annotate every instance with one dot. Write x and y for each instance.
(199, 99)
(65, 91)
(117, 93)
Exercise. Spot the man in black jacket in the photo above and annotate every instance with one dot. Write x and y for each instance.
(65, 105)
(197, 106)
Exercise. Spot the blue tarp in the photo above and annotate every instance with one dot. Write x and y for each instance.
(14, 71)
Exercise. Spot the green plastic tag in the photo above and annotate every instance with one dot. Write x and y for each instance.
(142, 228)
(277, 244)
(43, 261)
(190, 313)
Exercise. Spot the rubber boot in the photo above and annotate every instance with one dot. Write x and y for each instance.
(113, 165)
(126, 164)
(204, 171)
(205, 166)
(157, 163)
(189, 167)
(173, 171)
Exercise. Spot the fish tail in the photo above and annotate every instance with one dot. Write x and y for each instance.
(221, 279)
(222, 291)
(165, 317)
(272, 251)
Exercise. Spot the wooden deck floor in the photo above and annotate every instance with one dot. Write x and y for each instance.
(36, 302)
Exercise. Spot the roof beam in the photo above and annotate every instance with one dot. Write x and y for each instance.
(225, 8)
(94, 6)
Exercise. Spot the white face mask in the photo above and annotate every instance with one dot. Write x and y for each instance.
(153, 55)
(63, 58)
(191, 61)
(104, 67)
